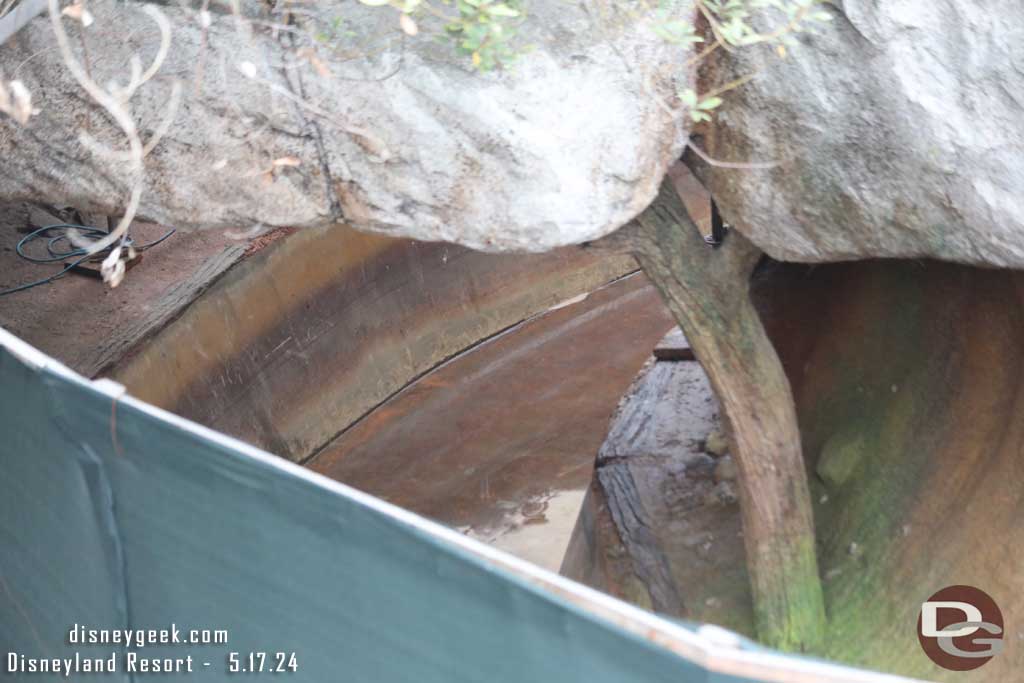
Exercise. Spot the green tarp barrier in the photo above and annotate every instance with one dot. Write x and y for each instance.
(116, 515)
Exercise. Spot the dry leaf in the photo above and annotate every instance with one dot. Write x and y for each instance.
(314, 59)
(16, 101)
(78, 12)
(408, 25)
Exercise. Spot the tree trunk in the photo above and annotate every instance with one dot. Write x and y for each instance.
(707, 291)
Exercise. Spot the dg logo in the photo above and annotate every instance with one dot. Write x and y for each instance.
(960, 628)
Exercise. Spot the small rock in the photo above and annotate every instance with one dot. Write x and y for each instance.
(841, 456)
(854, 549)
(823, 499)
(726, 470)
(723, 494)
(700, 466)
(533, 508)
(713, 602)
(694, 540)
(833, 573)
(716, 444)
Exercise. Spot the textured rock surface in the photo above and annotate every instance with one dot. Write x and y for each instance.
(394, 134)
(900, 132)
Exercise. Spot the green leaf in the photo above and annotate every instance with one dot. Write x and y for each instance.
(502, 10)
(688, 97)
(677, 31)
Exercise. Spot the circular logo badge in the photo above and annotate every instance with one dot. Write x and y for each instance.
(960, 628)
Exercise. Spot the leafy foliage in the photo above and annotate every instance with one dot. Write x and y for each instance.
(732, 25)
(485, 30)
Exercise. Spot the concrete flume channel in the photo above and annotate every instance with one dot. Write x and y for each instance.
(472, 388)
(909, 387)
(453, 383)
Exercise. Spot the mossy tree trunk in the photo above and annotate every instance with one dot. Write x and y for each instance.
(707, 291)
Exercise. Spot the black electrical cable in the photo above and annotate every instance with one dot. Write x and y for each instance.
(54, 254)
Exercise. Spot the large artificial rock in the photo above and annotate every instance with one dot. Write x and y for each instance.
(391, 133)
(897, 128)
(900, 133)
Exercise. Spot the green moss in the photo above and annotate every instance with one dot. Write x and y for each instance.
(840, 458)
(792, 619)
(867, 610)
(874, 421)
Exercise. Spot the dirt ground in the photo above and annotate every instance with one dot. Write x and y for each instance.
(84, 323)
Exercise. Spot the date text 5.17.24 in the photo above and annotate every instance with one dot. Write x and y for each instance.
(259, 662)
